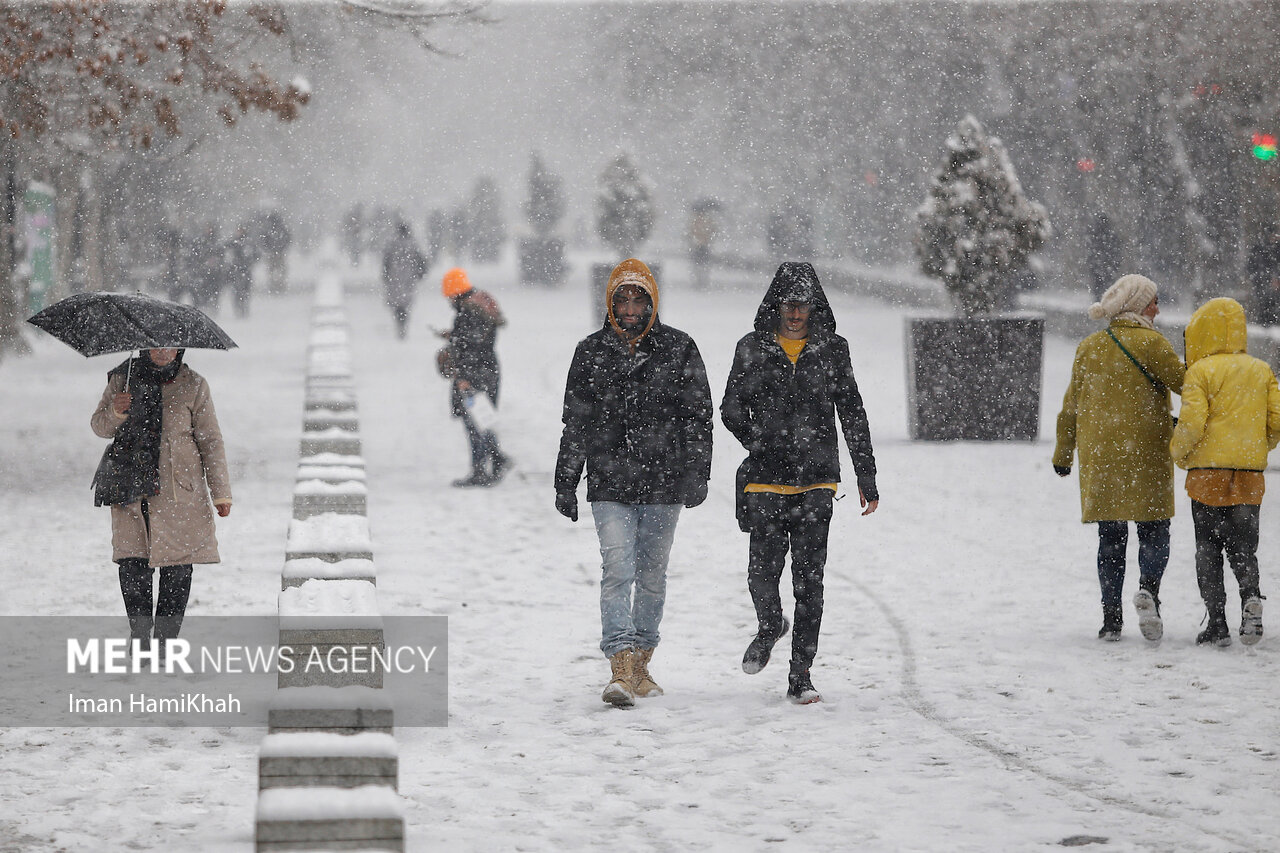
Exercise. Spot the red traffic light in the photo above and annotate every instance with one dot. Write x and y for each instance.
(1086, 164)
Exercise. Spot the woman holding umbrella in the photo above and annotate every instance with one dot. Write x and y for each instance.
(165, 461)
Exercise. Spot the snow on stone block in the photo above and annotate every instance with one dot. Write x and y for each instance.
(341, 710)
(326, 745)
(330, 604)
(298, 572)
(330, 292)
(327, 335)
(307, 470)
(356, 461)
(330, 537)
(316, 421)
(297, 759)
(322, 487)
(370, 817)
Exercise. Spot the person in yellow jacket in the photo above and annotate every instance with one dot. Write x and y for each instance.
(1116, 416)
(1230, 420)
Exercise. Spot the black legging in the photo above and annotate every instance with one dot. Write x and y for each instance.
(170, 606)
(799, 523)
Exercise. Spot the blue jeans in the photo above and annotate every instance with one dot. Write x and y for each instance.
(1153, 556)
(484, 444)
(635, 542)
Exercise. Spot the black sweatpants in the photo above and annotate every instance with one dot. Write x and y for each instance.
(798, 523)
(1233, 529)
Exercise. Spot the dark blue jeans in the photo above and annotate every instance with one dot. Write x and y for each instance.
(1153, 556)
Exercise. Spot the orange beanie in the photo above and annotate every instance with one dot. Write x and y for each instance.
(455, 283)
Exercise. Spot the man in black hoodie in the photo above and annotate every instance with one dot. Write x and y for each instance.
(789, 380)
(637, 416)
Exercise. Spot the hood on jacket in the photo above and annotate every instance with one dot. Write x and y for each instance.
(1218, 326)
(631, 271)
(793, 277)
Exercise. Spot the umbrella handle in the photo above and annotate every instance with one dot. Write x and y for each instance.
(128, 372)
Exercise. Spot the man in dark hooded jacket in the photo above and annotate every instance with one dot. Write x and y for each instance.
(637, 415)
(790, 378)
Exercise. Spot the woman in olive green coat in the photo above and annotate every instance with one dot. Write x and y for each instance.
(1116, 416)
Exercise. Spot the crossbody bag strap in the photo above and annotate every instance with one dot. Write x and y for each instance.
(1156, 382)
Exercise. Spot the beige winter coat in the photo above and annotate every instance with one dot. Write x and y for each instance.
(193, 465)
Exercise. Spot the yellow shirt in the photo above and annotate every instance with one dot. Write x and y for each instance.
(792, 348)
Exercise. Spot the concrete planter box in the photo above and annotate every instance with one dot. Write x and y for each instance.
(975, 379)
(340, 710)
(325, 759)
(324, 818)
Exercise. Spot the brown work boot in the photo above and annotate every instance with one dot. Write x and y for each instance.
(620, 691)
(645, 686)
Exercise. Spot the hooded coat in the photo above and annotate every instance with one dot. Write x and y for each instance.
(1120, 424)
(637, 412)
(193, 464)
(1230, 414)
(784, 414)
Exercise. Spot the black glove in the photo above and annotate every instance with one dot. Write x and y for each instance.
(695, 493)
(1062, 470)
(567, 505)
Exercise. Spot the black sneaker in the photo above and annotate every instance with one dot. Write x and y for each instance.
(800, 689)
(1215, 633)
(757, 654)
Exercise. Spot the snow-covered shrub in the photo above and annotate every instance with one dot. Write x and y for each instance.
(624, 207)
(977, 227)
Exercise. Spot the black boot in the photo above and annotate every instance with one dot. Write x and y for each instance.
(800, 689)
(1112, 622)
(1216, 633)
(761, 647)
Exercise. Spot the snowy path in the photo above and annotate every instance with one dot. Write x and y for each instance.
(968, 705)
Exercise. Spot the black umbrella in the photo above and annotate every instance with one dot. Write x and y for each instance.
(97, 323)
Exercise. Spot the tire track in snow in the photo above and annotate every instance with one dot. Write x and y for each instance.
(1011, 760)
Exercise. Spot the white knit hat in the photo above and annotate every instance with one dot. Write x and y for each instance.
(1130, 294)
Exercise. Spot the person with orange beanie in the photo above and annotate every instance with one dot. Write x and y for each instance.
(637, 417)
(471, 364)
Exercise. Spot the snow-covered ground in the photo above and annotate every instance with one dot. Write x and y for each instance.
(968, 705)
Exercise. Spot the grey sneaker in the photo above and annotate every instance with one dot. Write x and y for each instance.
(1149, 621)
(1251, 620)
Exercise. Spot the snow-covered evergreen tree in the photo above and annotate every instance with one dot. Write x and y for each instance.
(484, 217)
(977, 226)
(624, 207)
(545, 205)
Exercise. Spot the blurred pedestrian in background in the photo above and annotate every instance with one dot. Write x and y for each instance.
(402, 268)
(471, 364)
